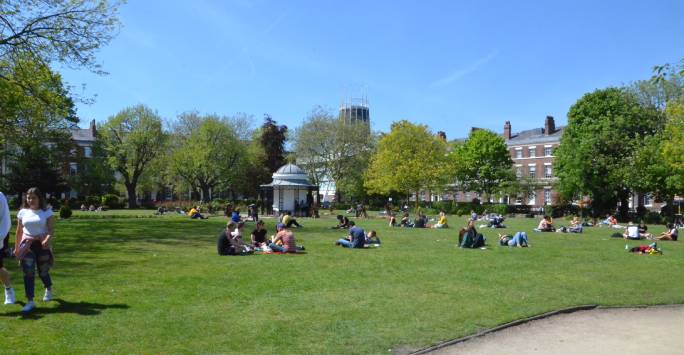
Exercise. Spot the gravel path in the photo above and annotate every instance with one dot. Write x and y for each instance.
(624, 331)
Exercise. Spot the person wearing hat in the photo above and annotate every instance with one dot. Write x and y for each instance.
(284, 240)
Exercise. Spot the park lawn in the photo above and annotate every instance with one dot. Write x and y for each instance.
(156, 285)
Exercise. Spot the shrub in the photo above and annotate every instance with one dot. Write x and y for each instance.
(653, 218)
(15, 203)
(65, 212)
(497, 208)
(92, 200)
(111, 201)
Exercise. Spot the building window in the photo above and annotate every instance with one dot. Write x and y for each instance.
(532, 152)
(548, 171)
(87, 152)
(532, 198)
(548, 151)
(648, 200)
(73, 169)
(547, 196)
(518, 171)
(518, 153)
(532, 171)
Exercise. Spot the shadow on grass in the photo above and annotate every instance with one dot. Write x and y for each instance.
(63, 307)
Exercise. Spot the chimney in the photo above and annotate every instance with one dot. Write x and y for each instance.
(441, 135)
(507, 130)
(549, 125)
(93, 128)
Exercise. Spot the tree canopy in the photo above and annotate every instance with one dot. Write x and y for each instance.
(482, 163)
(409, 158)
(605, 129)
(132, 139)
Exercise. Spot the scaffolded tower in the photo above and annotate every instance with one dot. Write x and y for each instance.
(355, 110)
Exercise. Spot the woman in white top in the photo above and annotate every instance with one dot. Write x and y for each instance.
(35, 229)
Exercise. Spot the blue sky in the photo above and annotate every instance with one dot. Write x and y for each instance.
(448, 64)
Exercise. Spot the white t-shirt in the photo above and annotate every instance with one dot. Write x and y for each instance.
(34, 221)
(633, 232)
(5, 222)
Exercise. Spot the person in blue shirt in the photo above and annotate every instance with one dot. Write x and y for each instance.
(356, 238)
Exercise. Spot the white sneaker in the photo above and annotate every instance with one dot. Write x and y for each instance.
(48, 295)
(10, 298)
(30, 305)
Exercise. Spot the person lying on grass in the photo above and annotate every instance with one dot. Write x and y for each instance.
(284, 240)
(469, 238)
(519, 240)
(342, 222)
(670, 234)
(355, 239)
(372, 239)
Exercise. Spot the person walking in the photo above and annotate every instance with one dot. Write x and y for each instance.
(5, 225)
(35, 230)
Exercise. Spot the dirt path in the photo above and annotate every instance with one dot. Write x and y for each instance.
(653, 330)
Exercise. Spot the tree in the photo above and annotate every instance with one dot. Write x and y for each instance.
(36, 165)
(482, 163)
(132, 139)
(408, 159)
(67, 31)
(604, 130)
(329, 147)
(273, 139)
(210, 156)
(672, 147)
(95, 176)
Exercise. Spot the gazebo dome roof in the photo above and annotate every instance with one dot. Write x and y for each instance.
(290, 175)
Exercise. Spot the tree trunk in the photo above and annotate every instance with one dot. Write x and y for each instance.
(132, 201)
(624, 207)
(205, 193)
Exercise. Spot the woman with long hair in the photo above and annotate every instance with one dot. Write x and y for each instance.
(35, 230)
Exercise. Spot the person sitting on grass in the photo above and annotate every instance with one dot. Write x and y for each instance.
(288, 220)
(632, 232)
(442, 223)
(545, 225)
(241, 247)
(575, 225)
(405, 221)
(421, 221)
(469, 238)
(235, 216)
(342, 222)
(194, 213)
(372, 239)
(392, 220)
(258, 235)
(519, 240)
(223, 244)
(670, 234)
(284, 240)
(356, 238)
(643, 231)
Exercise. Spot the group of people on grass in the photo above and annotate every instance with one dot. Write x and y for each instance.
(230, 241)
(32, 248)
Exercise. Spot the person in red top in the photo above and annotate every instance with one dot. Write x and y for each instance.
(287, 240)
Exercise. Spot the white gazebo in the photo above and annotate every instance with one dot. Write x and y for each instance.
(291, 191)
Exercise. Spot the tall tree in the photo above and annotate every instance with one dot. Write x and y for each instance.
(273, 137)
(672, 145)
(604, 130)
(326, 146)
(66, 31)
(482, 163)
(210, 156)
(408, 159)
(132, 139)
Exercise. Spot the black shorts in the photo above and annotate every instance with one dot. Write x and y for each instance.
(5, 246)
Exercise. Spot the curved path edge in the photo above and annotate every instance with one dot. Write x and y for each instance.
(523, 321)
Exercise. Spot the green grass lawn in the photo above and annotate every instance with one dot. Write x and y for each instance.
(156, 285)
